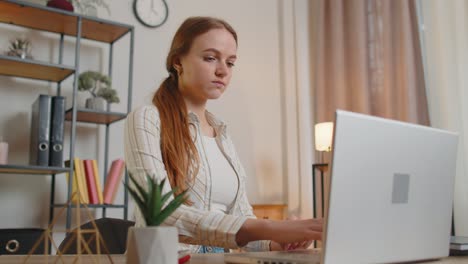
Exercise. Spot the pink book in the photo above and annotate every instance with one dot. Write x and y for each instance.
(113, 180)
(90, 182)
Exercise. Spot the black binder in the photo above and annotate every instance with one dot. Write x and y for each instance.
(40, 131)
(19, 241)
(56, 131)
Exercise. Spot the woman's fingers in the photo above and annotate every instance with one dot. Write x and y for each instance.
(291, 233)
(306, 244)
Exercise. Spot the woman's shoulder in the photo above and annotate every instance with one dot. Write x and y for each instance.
(144, 113)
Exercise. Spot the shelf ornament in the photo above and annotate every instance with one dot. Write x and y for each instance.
(60, 4)
(90, 7)
(82, 245)
(20, 47)
(99, 86)
(85, 7)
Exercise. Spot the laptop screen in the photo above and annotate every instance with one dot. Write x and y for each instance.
(391, 191)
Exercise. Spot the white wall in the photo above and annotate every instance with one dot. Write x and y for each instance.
(260, 105)
(445, 38)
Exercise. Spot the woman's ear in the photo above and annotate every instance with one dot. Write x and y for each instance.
(177, 66)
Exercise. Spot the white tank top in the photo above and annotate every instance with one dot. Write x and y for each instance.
(224, 182)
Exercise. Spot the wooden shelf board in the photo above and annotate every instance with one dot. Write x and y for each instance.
(26, 68)
(31, 169)
(95, 117)
(93, 205)
(39, 17)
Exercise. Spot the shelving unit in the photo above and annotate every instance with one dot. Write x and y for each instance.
(64, 23)
(31, 169)
(96, 117)
(32, 69)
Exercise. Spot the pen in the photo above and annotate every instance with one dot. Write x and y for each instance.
(184, 259)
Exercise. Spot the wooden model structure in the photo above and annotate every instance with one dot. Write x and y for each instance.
(82, 245)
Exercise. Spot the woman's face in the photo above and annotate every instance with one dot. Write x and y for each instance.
(207, 68)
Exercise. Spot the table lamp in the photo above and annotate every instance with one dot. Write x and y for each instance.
(323, 137)
(323, 143)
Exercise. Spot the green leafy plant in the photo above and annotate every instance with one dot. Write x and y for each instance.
(99, 85)
(151, 200)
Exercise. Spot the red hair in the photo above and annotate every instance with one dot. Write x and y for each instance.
(179, 153)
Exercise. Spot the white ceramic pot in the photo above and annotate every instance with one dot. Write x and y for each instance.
(96, 103)
(153, 244)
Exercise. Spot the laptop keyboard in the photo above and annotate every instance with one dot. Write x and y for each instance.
(296, 256)
(308, 256)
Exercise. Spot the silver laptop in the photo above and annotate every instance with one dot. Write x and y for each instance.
(390, 198)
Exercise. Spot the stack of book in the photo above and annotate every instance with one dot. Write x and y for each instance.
(47, 118)
(87, 182)
(458, 245)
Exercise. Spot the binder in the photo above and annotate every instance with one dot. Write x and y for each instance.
(40, 131)
(56, 133)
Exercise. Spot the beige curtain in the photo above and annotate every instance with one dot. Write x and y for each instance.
(368, 60)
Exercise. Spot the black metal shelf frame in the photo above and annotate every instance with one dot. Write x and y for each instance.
(95, 29)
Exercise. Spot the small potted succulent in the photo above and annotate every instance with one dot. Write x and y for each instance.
(20, 47)
(99, 85)
(153, 243)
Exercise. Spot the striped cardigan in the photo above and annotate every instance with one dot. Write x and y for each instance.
(196, 224)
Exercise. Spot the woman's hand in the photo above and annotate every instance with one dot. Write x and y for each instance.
(282, 232)
(290, 238)
(274, 246)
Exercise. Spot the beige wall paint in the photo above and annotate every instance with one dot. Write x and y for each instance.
(260, 105)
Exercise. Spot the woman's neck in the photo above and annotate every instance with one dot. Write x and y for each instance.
(199, 110)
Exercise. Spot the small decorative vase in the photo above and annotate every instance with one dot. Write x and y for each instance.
(60, 4)
(152, 244)
(22, 53)
(96, 103)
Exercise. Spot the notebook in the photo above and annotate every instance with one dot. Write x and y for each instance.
(390, 198)
(459, 243)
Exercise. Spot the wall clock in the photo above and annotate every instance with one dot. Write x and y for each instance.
(151, 13)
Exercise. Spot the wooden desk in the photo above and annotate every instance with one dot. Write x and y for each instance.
(196, 259)
(269, 211)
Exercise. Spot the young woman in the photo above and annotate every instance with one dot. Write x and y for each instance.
(177, 138)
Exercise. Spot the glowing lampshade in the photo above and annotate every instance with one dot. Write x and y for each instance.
(323, 136)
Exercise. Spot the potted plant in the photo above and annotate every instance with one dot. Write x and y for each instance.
(153, 243)
(20, 47)
(99, 85)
